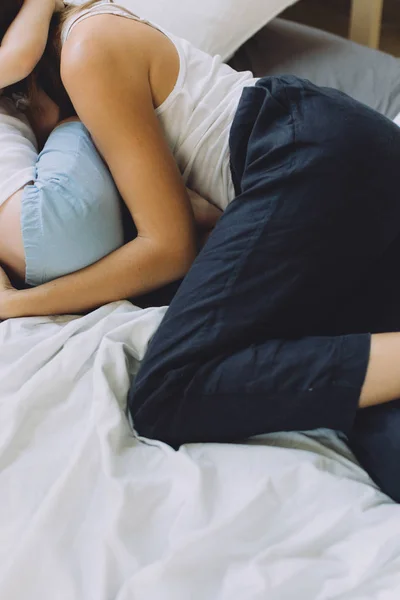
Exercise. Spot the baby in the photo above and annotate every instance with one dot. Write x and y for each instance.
(43, 195)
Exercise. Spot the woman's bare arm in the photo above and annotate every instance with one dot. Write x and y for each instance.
(25, 41)
(108, 81)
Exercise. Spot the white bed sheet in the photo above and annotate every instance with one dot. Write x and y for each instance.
(89, 512)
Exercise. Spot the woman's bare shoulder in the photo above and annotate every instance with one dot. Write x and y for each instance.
(94, 50)
(108, 44)
(107, 34)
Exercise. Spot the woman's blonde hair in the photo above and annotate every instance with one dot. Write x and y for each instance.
(72, 9)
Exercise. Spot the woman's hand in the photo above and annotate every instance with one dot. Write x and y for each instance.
(7, 292)
(206, 214)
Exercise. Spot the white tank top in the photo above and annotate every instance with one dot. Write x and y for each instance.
(198, 114)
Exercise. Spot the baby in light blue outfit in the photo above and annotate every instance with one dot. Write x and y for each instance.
(72, 215)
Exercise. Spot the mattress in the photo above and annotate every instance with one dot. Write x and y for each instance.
(88, 510)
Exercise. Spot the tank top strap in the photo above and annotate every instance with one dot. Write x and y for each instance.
(100, 8)
(112, 8)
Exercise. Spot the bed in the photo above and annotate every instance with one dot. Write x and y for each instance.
(90, 511)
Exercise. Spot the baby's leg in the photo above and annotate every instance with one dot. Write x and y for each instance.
(71, 216)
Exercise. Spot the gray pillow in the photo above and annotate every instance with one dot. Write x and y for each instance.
(283, 47)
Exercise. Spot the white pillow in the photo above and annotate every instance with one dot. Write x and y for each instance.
(215, 26)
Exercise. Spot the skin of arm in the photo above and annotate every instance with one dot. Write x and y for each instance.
(107, 77)
(24, 43)
(205, 213)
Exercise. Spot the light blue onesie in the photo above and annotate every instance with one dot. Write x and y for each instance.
(72, 215)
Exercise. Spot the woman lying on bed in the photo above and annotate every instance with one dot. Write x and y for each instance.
(270, 329)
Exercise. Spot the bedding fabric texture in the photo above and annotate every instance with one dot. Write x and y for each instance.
(215, 26)
(89, 511)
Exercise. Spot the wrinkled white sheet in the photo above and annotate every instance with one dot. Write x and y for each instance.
(88, 512)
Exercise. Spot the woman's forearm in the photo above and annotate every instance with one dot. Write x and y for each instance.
(136, 268)
(24, 43)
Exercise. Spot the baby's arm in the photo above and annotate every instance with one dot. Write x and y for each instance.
(25, 41)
